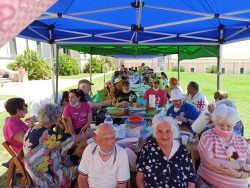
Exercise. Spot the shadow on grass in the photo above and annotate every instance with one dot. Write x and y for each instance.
(3, 178)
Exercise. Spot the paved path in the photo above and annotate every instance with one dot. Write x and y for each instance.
(35, 89)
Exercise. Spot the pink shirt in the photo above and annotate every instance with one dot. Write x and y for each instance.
(211, 142)
(160, 96)
(78, 116)
(12, 127)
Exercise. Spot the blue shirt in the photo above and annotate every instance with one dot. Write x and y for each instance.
(187, 110)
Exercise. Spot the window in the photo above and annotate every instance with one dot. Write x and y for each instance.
(223, 70)
(191, 69)
(241, 70)
(13, 49)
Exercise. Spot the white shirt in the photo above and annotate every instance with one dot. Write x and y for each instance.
(104, 174)
(199, 100)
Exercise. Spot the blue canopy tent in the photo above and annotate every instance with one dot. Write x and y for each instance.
(143, 22)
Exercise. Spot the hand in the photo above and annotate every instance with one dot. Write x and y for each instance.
(208, 117)
(182, 119)
(211, 108)
(89, 134)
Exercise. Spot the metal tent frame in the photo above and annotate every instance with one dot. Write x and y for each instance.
(178, 23)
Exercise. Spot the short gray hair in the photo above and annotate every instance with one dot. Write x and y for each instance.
(226, 114)
(168, 120)
(48, 113)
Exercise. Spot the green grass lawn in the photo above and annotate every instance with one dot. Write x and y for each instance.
(79, 76)
(237, 86)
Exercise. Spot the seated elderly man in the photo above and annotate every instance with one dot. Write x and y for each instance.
(160, 94)
(104, 164)
(163, 162)
(121, 98)
(195, 97)
(183, 112)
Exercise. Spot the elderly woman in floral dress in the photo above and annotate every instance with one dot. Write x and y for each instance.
(45, 151)
(163, 161)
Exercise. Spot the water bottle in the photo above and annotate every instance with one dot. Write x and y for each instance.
(108, 119)
(130, 99)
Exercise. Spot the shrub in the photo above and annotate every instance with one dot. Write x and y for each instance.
(67, 65)
(34, 64)
(98, 65)
(175, 69)
(212, 69)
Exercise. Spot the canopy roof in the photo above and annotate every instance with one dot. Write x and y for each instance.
(143, 51)
(142, 22)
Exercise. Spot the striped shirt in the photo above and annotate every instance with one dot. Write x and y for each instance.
(210, 142)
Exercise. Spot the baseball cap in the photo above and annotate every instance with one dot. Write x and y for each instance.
(176, 94)
(85, 81)
(173, 80)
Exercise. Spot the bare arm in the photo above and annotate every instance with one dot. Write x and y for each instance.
(122, 185)
(140, 179)
(90, 119)
(82, 181)
(100, 104)
(190, 185)
(68, 124)
(19, 137)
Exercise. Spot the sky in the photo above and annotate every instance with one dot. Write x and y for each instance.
(238, 49)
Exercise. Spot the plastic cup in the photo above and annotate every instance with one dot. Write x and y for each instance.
(184, 139)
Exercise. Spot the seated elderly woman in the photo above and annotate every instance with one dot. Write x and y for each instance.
(104, 164)
(14, 128)
(225, 156)
(163, 162)
(45, 156)
(221, 97)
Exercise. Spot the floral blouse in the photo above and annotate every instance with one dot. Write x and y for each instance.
(159, 171)
(45, 158)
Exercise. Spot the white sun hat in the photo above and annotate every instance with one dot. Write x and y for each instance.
(176, 94)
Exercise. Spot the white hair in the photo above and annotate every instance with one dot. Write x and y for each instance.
(225, 114)
(168, 120)
(48, 113)
(227, 102)
(103, 126)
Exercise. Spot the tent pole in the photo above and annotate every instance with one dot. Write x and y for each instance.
(104, 70)
(178, 59)
(57, 72)
(90, 68)
(52, 70)
(219, 58)
(219, 61)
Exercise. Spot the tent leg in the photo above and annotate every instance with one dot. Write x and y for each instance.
(52, 70)
(179, 69)
(219, 61)
(104, 70)
(57, 72)
(90, 69)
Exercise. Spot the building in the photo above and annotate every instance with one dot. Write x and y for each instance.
(17, 46)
